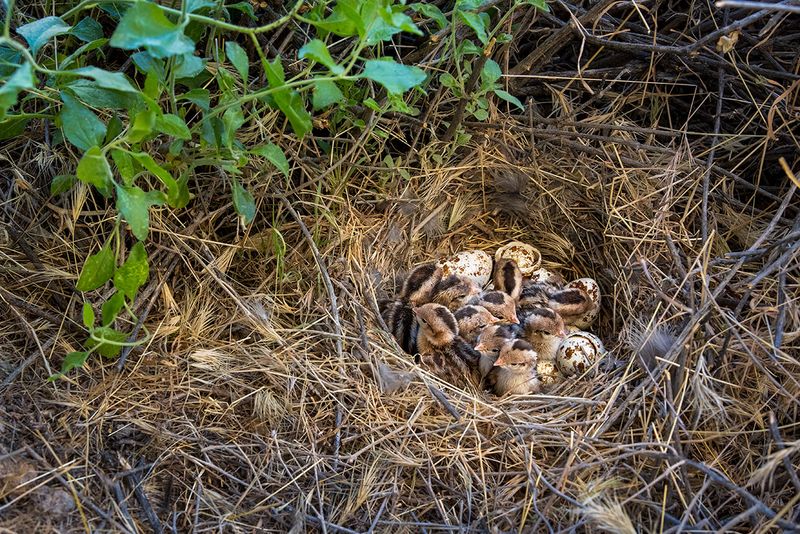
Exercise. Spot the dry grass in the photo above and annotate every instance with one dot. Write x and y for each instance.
(249, 411)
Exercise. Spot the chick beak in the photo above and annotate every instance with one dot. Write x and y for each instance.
(415, 309)
(495, 320)
(499, 362)
(564, 333)
(513, 319)
(480, 347)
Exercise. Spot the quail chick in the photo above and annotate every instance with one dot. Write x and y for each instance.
(454, 291)
(442, 350)
(507, 277)
(514, 372)
(499, 304)
(418, 288)
(571, 303)
(544, 329)
(490, 341)
(472, 320)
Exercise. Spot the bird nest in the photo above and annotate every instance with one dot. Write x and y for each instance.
(271, 397)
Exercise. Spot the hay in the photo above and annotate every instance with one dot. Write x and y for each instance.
(248, 410)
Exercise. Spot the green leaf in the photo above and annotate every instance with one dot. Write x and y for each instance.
(12, 127)
(196, 5)
(289, 102)
(199, 97)
(107, 350)
(189, 66)
(274, 155)
(325, 93)
(480, 114)
(97, 270)
(93, 169)
(238, 58)
(81, 52)
(147, 63)
(477, 22)
(541, 4)
(87, 30)
(491, 73)
(508, 97)
(81, 127)
(448, 80)
(124, 165)
(243, 202)
(233, 118)
(173, 125)
(71, 361)
(107, 79)
(133, 273)
(243, 7)
(179, 196)
(19, 81)
(88, 315)
(395, 77)
(91, 93)
(317, 51)
(113, 129)
(144, 25)
(111, 308)
(38, 32)
(134, 204)
(432, 12)
(143, 124)
(62, 183)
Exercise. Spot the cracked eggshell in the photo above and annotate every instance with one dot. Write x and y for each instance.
(591, 288)
(548, 372)
(527, 258)
(578, 353)
(474, 264)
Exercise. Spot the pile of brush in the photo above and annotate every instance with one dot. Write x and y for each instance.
(508, 325)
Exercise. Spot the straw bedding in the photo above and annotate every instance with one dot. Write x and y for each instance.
(270, 398)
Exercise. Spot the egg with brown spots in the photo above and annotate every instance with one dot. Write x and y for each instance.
(578, 353)
(546, 276)
(474, 264)
(527, 257)
(591, 288)
(548, 373)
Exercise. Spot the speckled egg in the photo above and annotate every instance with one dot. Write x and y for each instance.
(591, 288)
(474, 264)
(578, 353)
(527, 258)
(545, 276)
(548, 372)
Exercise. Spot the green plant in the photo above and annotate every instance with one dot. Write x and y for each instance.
(168, 97)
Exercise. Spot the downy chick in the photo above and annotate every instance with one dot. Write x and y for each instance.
(514, 372)
(472, 320)
(499, 304)
(454, 291)
(442, 350)
(507, 277)
(544, 329)
(490, 341)
(418, 288)
(571, 303)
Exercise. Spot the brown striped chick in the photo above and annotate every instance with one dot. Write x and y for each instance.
(571, 303)
(507, 277)
(442, 350)
(454, 291)
(418, 288)
(514, 372)
(472, 320)
(544, 329)
(499, 304)
(490, 341)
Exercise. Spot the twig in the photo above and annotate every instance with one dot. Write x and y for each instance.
(758, 5)
(26, 363)
(144, 502)
(334, 308)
